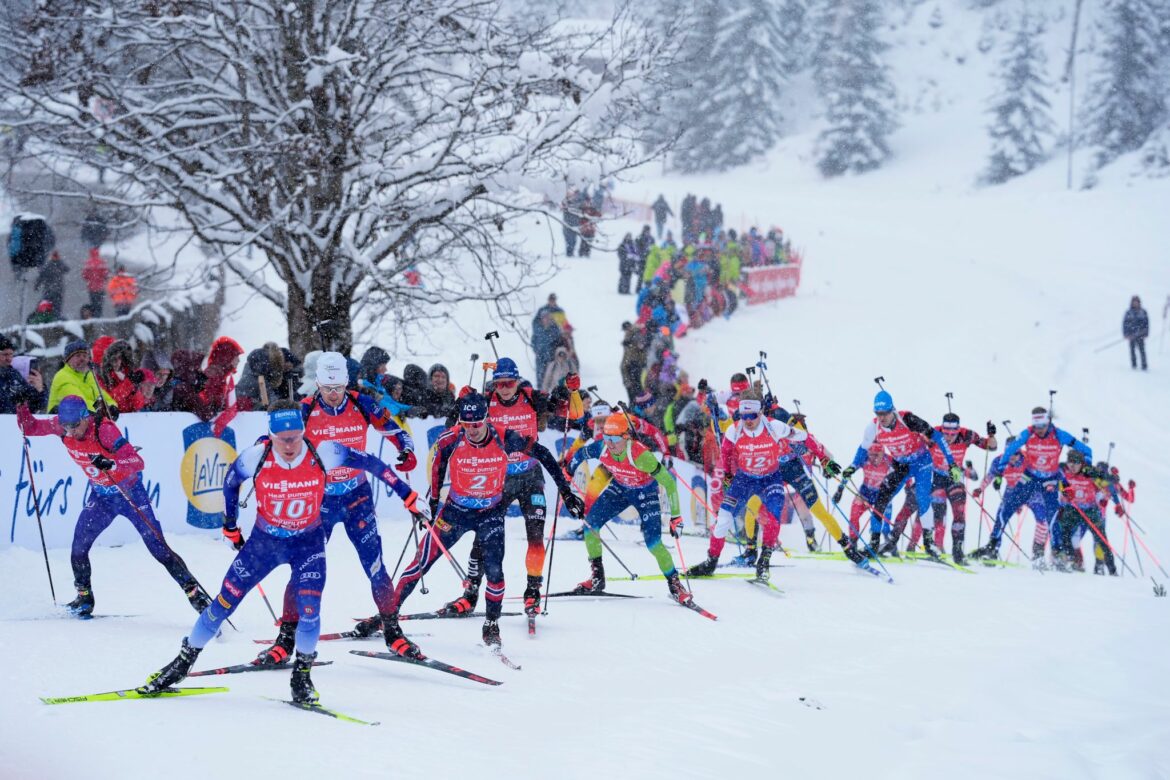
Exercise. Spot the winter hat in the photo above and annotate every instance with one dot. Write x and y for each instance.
(72, 410)
(749, 406)
(1076, 456)
(45, 306)
(308, 384)
(438, 367)
(883, 402)
(505, 369)
(280, 420)
(223, 350)
(73, 347)
(473, 408)
(332, 369)
(6, 343)
(600, 409)
(1040, 417)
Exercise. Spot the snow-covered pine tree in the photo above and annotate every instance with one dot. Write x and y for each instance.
(747, 69)
(856, 88)
(680, 92)
(1022, 129)
(1127, 96)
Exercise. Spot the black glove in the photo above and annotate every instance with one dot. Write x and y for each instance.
(839, 493)
(102, 463)
(434, 504)
(991, 429)
(574, 504)
(113, 413)
(831, 468)
(848, 472)
(769, 401)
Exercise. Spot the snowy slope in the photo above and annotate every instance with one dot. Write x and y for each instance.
(997, 295)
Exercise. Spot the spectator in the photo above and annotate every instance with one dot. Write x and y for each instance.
(16, 389)
(558, 368)
(587, 228)
(123, 291)
(86, 312)
(703, 217)
(439, 395)
(414, 388)
(75, 378)
(635, 341)
(268, 377)
(1136, 328)
(546, 337)
(95, 272)
(51, 281)
(94, 229)
(188, 382)
(205, 393)
(570, 219)
(375, 363)
(717, 217)
(43, 314)
(687, 218)
(661, 210)
(147, 384)
(160, 367)
(119, 376)
(308, 386)
(558, 314)
(627, 253)
(645, 243)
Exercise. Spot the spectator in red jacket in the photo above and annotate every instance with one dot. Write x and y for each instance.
(120, 376)
(96, 273)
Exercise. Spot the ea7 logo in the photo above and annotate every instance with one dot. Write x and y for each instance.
(239, 568)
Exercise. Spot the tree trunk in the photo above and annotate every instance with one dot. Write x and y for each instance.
(305, 332)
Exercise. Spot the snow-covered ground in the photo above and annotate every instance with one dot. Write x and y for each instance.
(997, 295)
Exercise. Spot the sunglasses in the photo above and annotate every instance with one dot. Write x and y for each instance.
(749, 416)
(614, 439)
(331, 388)
(473, 423)
(507, 383)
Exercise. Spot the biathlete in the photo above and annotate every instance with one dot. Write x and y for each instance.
(635, 474)
(335, 414)
(290, 476)
(114, 470)
(476, 454)
(1042, 444)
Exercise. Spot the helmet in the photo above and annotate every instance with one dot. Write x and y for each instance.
(72, 410)
(473, 407)
(616, 425)
(332, 369)
(506, 369)
(883, 402)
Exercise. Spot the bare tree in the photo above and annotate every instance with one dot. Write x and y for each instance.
(376, 153)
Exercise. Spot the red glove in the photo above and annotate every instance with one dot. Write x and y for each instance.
(411, 504)
(407, 461)
(24, 419)
(234, 536)
(466, 390)
(573, 381)
(675, 522)
(1132, 485)
(977, 492)
(1118, 510)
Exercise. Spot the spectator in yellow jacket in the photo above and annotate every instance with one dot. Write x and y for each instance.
(76, 378)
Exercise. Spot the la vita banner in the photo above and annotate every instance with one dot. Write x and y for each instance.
(185, 469)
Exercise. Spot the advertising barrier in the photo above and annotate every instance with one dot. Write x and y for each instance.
(185, 470)
(770, 282)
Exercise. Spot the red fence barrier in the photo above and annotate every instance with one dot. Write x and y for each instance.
(770, 282)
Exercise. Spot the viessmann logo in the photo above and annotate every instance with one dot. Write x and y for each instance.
(286, 486)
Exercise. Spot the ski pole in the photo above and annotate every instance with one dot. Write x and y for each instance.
(491, 339)
(471, 376)
(872, 553)
(763, 366)
(267, 603)
(552, 542)
(1007, 426)
(950, 396)
(430, 526)
(40, 527)
(1100, 536)
(1110, 345)
(693, 492)
(1052, 406)
(421, 578)
(1138, 539)
(616, 556)
(402, 555)
(1007, 523)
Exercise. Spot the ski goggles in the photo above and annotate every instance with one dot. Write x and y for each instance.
(610, 439)
(749, 416)
(506, 384)
(331, 388)
(474, 425)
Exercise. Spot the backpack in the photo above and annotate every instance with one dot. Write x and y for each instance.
(29, 241)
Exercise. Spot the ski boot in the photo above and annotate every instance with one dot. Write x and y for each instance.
(1099, 568)
(746, 558)
(174, 672)
(82, 606)
(850, 549)
(491, 633)
(532, 595)
(1078, 560)
(282, 648)
(889, 547)
(465, 604)
(197, 597)
(303, 691)
(928, 548)
(596, 581)
(875, 543)
(704, 569)
(677, 591)
(989, 551)
(810, 538)
(396, 641)
(763, 565)
(957, 554)
(368, 627)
